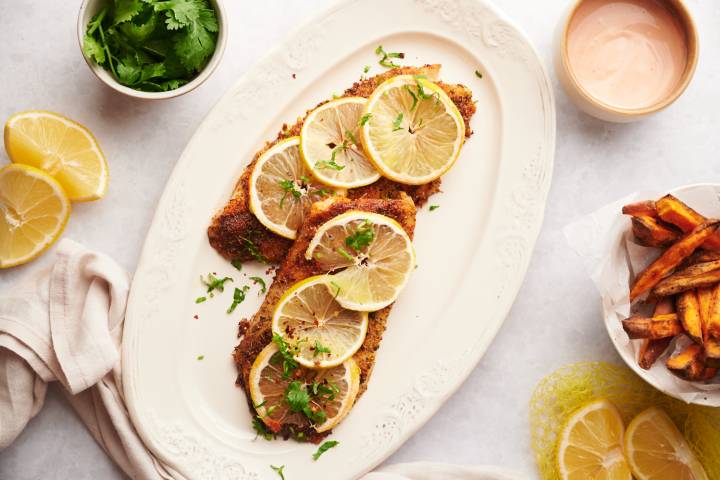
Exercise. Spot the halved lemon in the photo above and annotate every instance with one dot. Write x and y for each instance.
(61, 147)
(282, 188)
(414, 132)
(590, 445)
(656, 450)
(330, 144)
(323, 333)
(371, 254)
(33, 212)
(330, 390)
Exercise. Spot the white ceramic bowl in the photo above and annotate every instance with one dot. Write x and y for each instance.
(88, 8)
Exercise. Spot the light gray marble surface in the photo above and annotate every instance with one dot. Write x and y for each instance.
(555, 319)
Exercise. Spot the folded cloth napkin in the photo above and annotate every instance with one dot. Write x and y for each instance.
(65, 324)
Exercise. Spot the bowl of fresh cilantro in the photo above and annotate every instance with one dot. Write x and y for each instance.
(152, 49)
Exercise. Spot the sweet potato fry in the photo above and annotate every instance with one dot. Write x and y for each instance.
(637, 209)
(670, 259)
(660, 326)
(688, 311)
(651, 350)
(712, 321)
(712, 353)
(653, 233)
(681, 283)
(672, 210)
(688, 364)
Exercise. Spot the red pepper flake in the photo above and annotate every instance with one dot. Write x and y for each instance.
(195, 317)
(294, 76)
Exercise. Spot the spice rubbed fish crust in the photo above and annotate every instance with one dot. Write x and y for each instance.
(238, 235)
(296, 267)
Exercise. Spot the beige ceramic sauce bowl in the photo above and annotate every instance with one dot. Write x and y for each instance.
(608, 65)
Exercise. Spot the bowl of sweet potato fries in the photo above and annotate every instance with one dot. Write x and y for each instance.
(675, 300)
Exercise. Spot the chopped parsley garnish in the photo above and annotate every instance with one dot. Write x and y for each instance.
(414, 97)
(324, 448)
(321, 192)
(345, 254)
(420, 88)
(237, 263)
(279, 470)
(152, 45)
(324, 392)
(298, 399)
(386, 56)
(289, 363)
(320, 349)
(254, 251)
(396, 123)
(331, 163)
(238, 298)
(261, 282)
(365, 118)
(289, 187)
(213, 283)
(478, 74)
(200, 299)
(361, 237)
(352, 138)
(434, 207)
(366, 69)
(201, 357)
(261, 429)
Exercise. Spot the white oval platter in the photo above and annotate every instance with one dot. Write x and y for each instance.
(472, 252)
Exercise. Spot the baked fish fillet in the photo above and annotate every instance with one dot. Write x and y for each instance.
(237, 235)
(296, 268)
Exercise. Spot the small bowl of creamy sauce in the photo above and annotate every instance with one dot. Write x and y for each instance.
(622, 60)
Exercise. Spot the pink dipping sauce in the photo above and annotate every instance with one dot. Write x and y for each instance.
(629, 54)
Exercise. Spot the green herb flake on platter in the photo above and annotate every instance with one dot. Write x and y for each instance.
(152, 45)
(324, 448)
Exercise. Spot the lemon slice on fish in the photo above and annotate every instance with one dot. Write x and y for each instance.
(591, 444)
(330, 144)
(282, 188)
(371, 257)
(34, 210)
(322, 333)
(414, 132)
(331, 391)
(61, 147)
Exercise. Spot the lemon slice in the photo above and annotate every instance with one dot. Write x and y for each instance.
(590, 445)
(656, 450)
(63, 148)
(282, 188)
(330, 390)
(373, 254)
(330, 144)
(33, 212)
(323, 334)
(414, 132)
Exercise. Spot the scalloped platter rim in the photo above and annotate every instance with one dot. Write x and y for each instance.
(178, 374)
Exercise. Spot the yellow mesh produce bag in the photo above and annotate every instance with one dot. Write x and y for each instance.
(561, 393)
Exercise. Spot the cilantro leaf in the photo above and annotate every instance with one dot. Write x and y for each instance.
(324, 448)
(296, 396)
(238, 298)
(125, 10)
(93, 49)
(261, 282)
(180, 13)
(361, 237)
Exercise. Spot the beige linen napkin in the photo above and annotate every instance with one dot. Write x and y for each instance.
(65, 324)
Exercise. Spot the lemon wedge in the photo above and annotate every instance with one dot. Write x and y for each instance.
(323, 334)
(371, 255)
(590, 445)
(282, 188)
(61, 147)
(656, 450)
(33, 212)
(414, 132)
(330, 390)
(330, 145)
